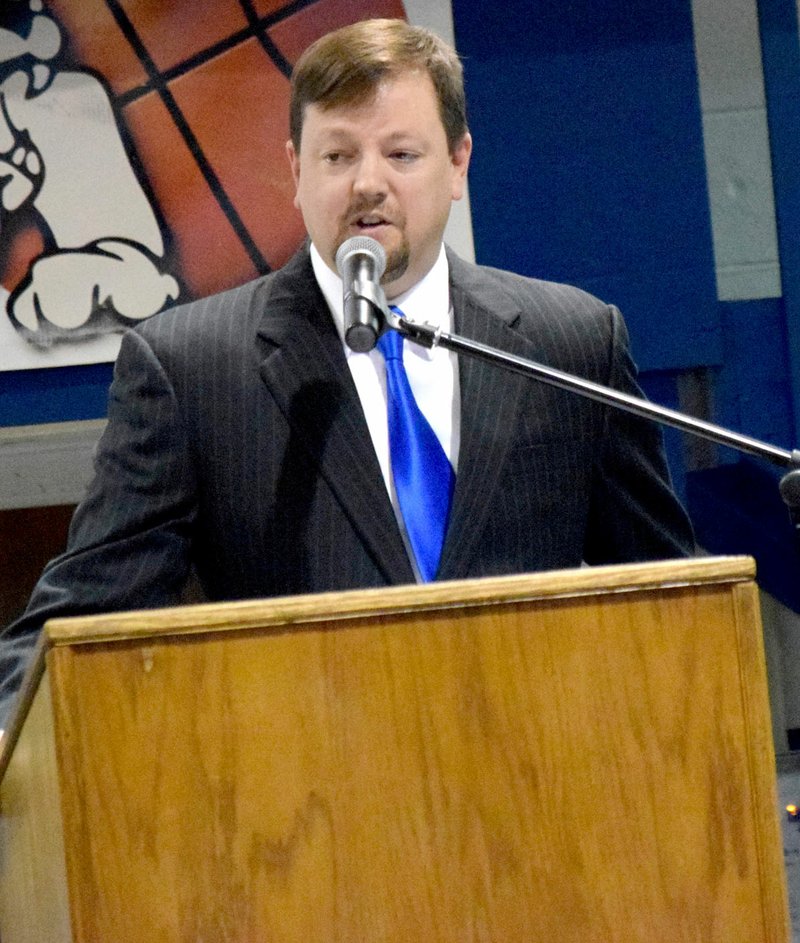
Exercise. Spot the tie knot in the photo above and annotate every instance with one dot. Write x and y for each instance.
(390, 344)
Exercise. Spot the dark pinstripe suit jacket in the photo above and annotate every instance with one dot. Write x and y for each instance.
(237, 446)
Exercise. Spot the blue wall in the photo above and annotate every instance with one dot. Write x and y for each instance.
(589, 164)
(781, 63)
(589, 168)
(59, 394)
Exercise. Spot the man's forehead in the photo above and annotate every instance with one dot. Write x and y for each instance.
(379, 103)
(340, 131)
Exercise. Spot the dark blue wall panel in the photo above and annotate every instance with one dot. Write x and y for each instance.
(589, 163)
(60, 394)
(752, 393)
(781, 62)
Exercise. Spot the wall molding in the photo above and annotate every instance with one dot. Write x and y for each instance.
(47, 464)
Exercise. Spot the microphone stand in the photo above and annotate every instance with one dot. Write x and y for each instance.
(427, 336)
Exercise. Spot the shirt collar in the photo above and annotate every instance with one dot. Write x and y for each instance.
(428, 300)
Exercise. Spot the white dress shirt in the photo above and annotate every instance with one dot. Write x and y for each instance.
(432, 374)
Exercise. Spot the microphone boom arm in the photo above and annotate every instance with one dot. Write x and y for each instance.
(430, 337)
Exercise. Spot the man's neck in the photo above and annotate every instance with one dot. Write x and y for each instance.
(428, 300)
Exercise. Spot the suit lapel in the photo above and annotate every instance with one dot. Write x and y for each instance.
(490, 398)
(305, 369)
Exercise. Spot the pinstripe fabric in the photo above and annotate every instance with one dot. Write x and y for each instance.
(237, 449)
(548, 479)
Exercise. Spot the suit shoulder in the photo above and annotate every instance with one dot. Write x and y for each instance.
(537, 307)
(524, 290)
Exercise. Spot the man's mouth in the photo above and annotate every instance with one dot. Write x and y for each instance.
(369, 222)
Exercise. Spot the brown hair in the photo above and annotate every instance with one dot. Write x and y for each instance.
(346, 66)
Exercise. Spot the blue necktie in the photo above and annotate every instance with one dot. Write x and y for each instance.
(423, 477)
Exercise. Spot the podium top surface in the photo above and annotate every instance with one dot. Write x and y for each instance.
(280, 612)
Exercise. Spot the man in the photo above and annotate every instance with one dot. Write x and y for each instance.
(247, 445)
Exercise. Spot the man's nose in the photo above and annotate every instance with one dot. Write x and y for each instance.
(370, 176)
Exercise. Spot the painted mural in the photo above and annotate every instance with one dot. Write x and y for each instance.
(142, 159)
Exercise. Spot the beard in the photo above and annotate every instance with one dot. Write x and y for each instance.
(398, 257)
(397, 262)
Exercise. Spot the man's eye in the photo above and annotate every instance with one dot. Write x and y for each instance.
(405, 157)
(337, 157)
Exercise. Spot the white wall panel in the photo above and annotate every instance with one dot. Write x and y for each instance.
(736, 138)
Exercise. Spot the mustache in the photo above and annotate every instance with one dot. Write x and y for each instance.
(363, 205)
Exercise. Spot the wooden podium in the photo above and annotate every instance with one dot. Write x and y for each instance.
(573, 757)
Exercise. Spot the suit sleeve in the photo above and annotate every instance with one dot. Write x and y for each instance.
(128, 545)
(634, 513)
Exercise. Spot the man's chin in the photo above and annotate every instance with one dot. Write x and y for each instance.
(398, 257)
(396, 265)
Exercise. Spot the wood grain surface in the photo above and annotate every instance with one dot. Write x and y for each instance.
(574, 757)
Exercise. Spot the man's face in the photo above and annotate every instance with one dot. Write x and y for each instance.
(381, 169)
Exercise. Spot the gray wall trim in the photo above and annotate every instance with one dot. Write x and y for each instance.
(47, 464)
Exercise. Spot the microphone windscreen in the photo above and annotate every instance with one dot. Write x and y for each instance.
(357, 244)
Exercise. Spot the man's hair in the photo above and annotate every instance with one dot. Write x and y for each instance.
(346, 67)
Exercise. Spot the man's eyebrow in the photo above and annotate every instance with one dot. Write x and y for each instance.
(332, 135)
(339, 133)
(335, 131)
(403, 136)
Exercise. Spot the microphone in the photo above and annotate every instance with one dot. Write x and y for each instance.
(361, 262)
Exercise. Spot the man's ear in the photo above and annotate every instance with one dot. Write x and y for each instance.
(294, 164)
(460, 162)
